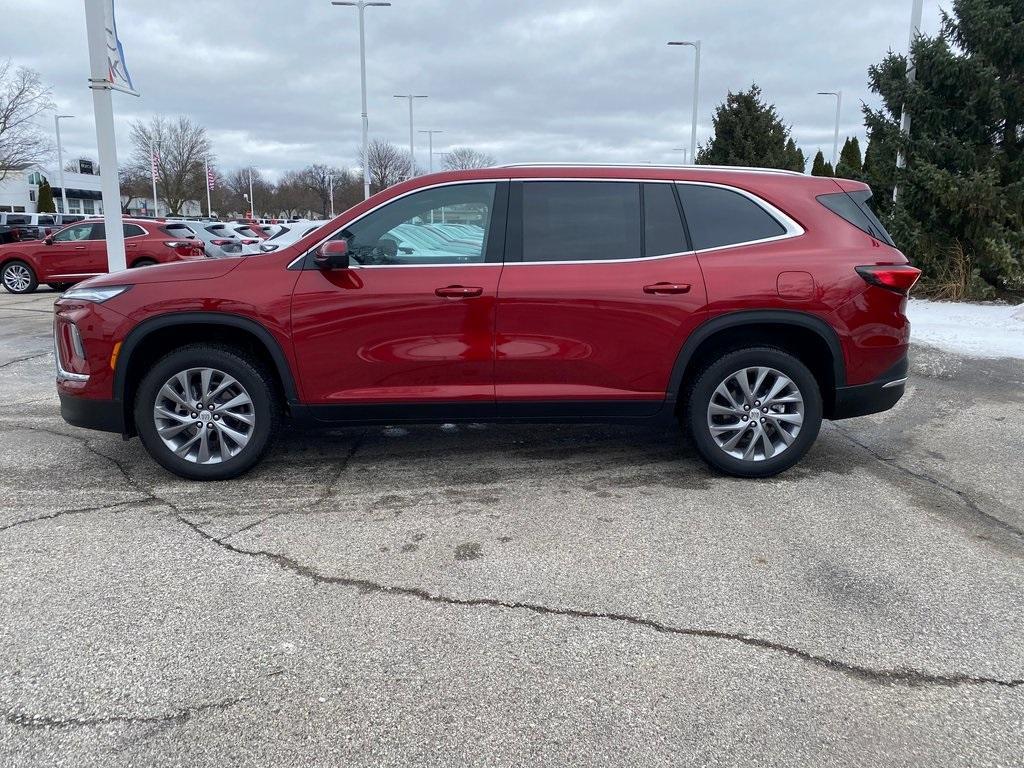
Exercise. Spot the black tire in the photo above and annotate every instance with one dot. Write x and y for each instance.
(143, 263)
(60, 287)
(258, 384)
(714, 374)
(7, 277)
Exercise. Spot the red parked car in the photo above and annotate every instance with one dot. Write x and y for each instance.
(749, 304)
(78, 252)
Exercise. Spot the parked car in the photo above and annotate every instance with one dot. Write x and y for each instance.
(27, 226)
(218, 239)
(748, 304)
(284, 237)
(79, 252)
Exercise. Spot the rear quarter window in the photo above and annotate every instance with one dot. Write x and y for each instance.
(719, 217)
(853, 207)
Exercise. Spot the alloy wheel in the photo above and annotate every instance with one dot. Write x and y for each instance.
(204, 416)
(17, 278)
(755, 414)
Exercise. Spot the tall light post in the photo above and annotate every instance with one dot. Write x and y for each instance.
(153, 147)
(362, 5)
(430, 140)
(695, 44)
(251, 199)
(331, 187)
(684, 151)
(60, 162)
(839, 109)
(916, 13)
(412, 148)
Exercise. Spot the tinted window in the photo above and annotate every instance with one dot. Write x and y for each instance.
(580, 220)
(663, 228)
(854, 208)
(421, 228)
(46, 221)
(179, 230)
(718, 217)
(99, 231)
(12, 219)
(79, 232)
(133, 230)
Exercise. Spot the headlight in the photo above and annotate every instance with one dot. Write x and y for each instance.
(98, 294)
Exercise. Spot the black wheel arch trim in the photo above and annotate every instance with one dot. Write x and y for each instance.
(139, 333)
(756, 317)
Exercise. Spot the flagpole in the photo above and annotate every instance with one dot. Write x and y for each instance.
(209, 206)
(152, 171)
(103, 107)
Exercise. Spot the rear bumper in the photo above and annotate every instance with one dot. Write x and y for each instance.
(880, 395)
(104, 415)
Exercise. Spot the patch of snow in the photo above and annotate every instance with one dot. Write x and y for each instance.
(976, 330)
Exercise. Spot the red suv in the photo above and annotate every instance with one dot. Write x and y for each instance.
(749, 304)
(79, 252)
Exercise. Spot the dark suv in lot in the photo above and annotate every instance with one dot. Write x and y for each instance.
(749, 304)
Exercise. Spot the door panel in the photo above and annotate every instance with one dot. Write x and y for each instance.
(583, 328)
(412, 319)
(72, 254)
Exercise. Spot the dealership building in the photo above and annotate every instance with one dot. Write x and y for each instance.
(19, 192)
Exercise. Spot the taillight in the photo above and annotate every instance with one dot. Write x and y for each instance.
(177, 243)
(221, 241)
(899, 279)
(249, 241)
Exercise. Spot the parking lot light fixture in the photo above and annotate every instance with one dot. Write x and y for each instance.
(684, 151)
(362, 5)
(60, 162)
(695, 44)
(839, 108)
(412, 149)
(430, 139)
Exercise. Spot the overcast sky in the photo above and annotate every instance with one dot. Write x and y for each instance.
(276, 84)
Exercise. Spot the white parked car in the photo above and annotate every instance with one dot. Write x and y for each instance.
(285, 236)
(219, 239)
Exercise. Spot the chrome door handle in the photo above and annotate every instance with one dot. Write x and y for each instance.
(79, 247)
(667, 288)
(458, 292)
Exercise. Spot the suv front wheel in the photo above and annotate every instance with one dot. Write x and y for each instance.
(206, 412)
(754, 412)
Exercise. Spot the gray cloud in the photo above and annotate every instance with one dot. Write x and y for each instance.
(277, 83)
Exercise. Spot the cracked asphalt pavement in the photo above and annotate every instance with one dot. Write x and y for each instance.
(515, 595)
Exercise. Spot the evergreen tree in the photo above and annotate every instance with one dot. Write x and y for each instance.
(820, 167)
(962, 190)
(795, 160)
(748, 131)
(850, 164)
(44, 198)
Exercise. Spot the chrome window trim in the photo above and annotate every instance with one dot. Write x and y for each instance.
(63, 375)
(793, 229)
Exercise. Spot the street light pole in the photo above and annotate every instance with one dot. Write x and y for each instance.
(916, 13)
(835, 140)
(252, 200)
(362, 5)
(60, 162)
(430, 139)
(695, 44)
(331, 177)
(412, 148)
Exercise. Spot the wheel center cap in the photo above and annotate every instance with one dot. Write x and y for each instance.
(205, 416)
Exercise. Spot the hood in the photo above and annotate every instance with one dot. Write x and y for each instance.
(175, 272)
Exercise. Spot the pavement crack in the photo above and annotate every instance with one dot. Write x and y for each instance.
(25, 359)
(893, 676)
(970, 503)
(32, 721)
(66, 513)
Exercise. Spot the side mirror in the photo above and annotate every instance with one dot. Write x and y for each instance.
(48, 239)
(332, 255)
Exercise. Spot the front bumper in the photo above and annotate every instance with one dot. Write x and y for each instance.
(880, 395)
(85, 412)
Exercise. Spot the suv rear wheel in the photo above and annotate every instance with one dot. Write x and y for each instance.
(754, 412)
(18, 277)
(206, 412)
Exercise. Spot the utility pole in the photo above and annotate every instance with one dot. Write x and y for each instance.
(60, 162)
(916, 12)
(362, 5)
(695, 44)
(430, 139)
(412, 148)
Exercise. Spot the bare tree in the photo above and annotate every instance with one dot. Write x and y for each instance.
(181, 146)
(233, 188)
(465, 158)
(294, 196)
(388, 164)
(22, 99)
(134, 187)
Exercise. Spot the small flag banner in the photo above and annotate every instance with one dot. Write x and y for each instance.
(154, 160)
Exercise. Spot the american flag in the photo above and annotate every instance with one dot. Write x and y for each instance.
(154, 159)
(211, 179)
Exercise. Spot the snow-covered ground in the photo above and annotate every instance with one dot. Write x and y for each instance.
(978, 330)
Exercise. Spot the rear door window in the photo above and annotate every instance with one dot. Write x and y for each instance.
(663, 226)
(719, 217)
(581, 220)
